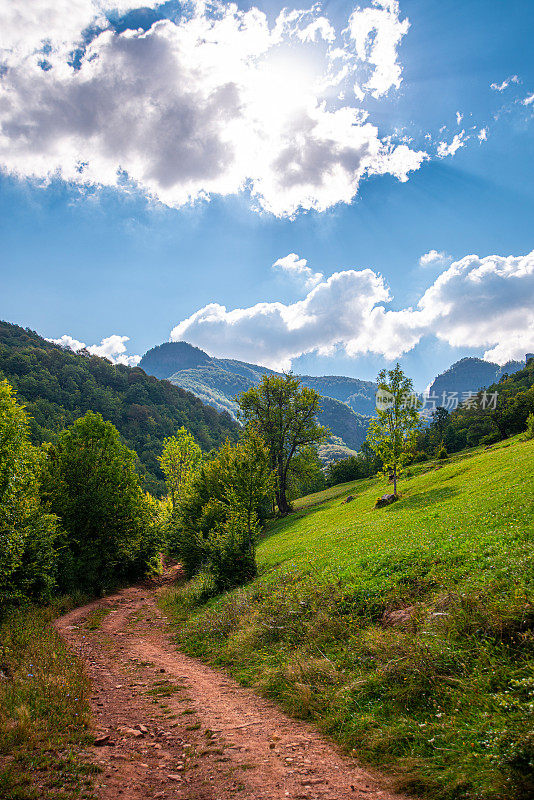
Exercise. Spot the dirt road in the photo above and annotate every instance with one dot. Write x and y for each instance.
(168, 726)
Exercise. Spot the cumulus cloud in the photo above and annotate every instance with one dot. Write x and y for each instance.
(484, 302)
(112, 347)
(476, 302)
(500, 87)
(529, 99)
(336, 311)
(483, 135)
(450, 149)
(215, 103)
(459, 117)
(435, 258)
(377, 33)
(297, 268)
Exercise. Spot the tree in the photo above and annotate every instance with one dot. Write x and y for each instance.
(392, 433)
(91, 484)
(440, 418)
(27, 534)
(219, 514)
(179, 461)
(285, 416)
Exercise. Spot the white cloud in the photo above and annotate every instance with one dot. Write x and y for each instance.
(483, 135)
(500, 87)
(476, 302)
(435, 258)
(529, 99)
(112, 347)
(459, 118)
(484, 302)
(57, 25)
(377, 33)
(298, 269)
(68, 342)
(450, 149)
(214, 104)
(337, 311)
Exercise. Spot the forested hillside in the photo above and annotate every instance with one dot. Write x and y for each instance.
(470, 375)
(345, 402)
(58, 386)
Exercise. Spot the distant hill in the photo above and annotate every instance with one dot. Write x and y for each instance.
(346, 403)
(58, 386)
(470, 375)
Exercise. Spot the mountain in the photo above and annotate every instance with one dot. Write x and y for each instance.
(346, 402)
(470, 375)
(58, 386)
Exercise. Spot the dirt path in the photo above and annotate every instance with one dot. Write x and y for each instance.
(171, 727)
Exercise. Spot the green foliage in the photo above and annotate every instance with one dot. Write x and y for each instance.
(27, 534)
(392, 433)
(217, 381)
(306, 474)
(443, 699)
(179, 461)
(90, 482)
(362, 465)
(58, 386)
(285, 415)
(479, 422)
(231, 558)
(441, 452)
(218, 520)
(530, 426)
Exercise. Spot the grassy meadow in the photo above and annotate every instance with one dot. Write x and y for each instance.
(406, 633)
(44, 712)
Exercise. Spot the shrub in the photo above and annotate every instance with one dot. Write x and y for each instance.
(91, 484)
(231, 551)
(419, 457)
(218, 519)
(530, 426)
(27, 533)
(441, 452)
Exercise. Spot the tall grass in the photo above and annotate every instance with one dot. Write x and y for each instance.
(44, 712)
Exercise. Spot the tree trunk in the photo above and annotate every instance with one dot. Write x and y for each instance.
(395, 479)
(281, 501)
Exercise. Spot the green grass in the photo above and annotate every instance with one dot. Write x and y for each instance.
(444, 701)
(44, 712)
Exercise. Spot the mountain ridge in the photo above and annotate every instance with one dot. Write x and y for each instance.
(217, 381)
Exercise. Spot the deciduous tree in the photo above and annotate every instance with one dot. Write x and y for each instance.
(285, 415)
(179, 461)
(393, 431)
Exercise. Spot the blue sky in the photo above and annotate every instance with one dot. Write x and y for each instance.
(98, 257)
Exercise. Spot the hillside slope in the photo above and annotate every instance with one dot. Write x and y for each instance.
(58, 386)
(217, 381)
(404, 632)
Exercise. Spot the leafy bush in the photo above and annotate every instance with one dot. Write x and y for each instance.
(219, 516)
(231, 551)
(27, 533)
(530, 426)
(90, 482)
(441, 452)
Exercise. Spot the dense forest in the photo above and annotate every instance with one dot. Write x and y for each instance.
(58, 386)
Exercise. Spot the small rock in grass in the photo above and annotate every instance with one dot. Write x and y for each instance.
(386, 500)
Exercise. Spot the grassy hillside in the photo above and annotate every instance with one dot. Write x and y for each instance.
(58, 386)
(407, 632)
